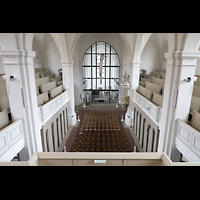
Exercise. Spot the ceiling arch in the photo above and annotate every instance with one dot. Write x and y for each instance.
(84, 40)
(8, 41)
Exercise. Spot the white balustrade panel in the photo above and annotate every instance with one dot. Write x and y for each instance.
(152, 110)
(187, 141)
(11, 140)
(49, 109)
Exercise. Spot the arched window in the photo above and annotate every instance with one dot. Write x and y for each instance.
(101, 71)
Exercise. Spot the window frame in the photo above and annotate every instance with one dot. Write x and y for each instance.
(106, 67)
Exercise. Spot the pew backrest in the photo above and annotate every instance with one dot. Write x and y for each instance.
(39, 69)
(163, 89)
(3, 89)
(4, 103)
(156, 74)
(146, 79)
(45, 73)
(48, 86)
(41, 81)
(37, 75)
(195, 120)
(197, 82)
(195, 104)
(145, 92)
(4, 121)
(161, 70)
(157, 99)
(51, 76)
(149, 76)
(158, 81)
(42, 98)
(196, 91)
(163, 76)
(55, 79)
(153, 87)
(2, 83)
(56, 91)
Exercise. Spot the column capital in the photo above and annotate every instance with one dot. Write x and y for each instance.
(17, 52)
(135, 63)
(183, 58)
(66, 63)
(17, 56)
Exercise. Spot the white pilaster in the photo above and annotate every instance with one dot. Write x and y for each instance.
(68, 83)
(22, 96)
(135, 73)
(134, 80)
(177, 97)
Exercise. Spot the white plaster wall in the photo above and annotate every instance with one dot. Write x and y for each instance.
(77, 82)
(150, 57)
(51, 56)
(2, 71)
(38, 57)
(37, 46)
(198, 67)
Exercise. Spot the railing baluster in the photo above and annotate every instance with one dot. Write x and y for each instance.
(140, 119)
(153, 137)
(148, 127)
(134, 119)
(136, 130)
(144, 121)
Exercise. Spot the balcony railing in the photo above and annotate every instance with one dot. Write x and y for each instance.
(152, 110)
(187, 141)
(48, 109)
(97, 159)
(11, 140)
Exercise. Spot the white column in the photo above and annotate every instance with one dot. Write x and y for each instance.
(135, 74)
(22, 96)
(68, 83)
(177, 97)
(77, 83)
(134, 80)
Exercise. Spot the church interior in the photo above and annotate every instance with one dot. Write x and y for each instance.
(98, 99)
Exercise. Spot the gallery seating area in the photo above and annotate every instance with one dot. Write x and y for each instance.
(5, 115)
(152, 86)
(195, 101)
(47, 85)
(194, 115)
(101, 132)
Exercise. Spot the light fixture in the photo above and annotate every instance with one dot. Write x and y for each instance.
(125, 83)
(12, 78)
(188, 79)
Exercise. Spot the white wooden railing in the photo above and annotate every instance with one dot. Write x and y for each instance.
(98, 159)
(53, 121)
(50, 108)
(146, 121)
(54, 131)
(11, 140)
(152, 110)
(187, 141)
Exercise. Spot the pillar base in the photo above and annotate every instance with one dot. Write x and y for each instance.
(127, 120)
(72, 119)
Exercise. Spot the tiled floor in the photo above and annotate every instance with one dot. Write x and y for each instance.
(99, 108)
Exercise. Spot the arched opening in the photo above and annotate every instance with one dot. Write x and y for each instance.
(100, 73)
(152, 56)
(47, 53)
(4, 100)
(2, 71)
